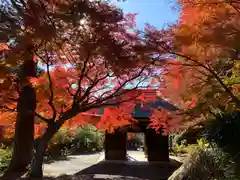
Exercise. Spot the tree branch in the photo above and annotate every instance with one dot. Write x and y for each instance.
(210, 70)
(82, 74)
(43, 118)
(8, 108)
(94, 84)
(50, 102)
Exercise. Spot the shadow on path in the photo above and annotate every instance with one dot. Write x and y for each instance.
(154, 171)
(123, 171)
(132, 170)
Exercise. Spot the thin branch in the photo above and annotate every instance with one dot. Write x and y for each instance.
(75, 110)
(13, 99)
(115, 94)
(54, 26)
(94, 84)
(134, 77)
(178, 64)
(82, 74)
(113, 104)
(50, 102)
(202, 72)
(210, 70)
(43, 118)
(8, 108)
(69, 91)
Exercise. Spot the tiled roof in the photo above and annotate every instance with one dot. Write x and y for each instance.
(145, 110)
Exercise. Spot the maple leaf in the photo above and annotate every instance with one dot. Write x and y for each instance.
(90, 54)
(203, 53)
(3, 47)
(166, 121)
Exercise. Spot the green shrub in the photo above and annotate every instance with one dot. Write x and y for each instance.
(60, 143)
(5, 158)
(88, 138)
(224, 131)
(202, 143)
(190, 135)
(206, 163)
(191, 148)
(179, 148)
(216, 156)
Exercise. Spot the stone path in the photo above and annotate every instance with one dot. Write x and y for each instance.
(92, 167)
(77, 163)
(73, 165)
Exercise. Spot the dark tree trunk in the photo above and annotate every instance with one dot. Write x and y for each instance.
(36, 166)
(24, 128)
(24, 132)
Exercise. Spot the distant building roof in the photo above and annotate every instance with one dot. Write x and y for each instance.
(144, 110)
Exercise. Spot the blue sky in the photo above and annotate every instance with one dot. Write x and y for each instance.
(155, 12)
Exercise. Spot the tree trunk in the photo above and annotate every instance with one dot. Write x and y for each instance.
(24, 133)
(36, 166)
(24, 128)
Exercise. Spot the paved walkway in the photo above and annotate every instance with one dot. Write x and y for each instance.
(77, 163)
(72, 165)
(96, 169)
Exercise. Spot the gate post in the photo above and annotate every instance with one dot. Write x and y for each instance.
(157, 146)
(115, 145)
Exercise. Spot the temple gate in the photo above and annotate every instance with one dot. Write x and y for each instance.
(156, 143)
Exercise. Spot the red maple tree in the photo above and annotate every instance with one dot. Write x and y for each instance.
(90, 60)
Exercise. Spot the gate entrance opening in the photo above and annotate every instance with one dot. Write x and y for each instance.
(136, 147)
(156, 144)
